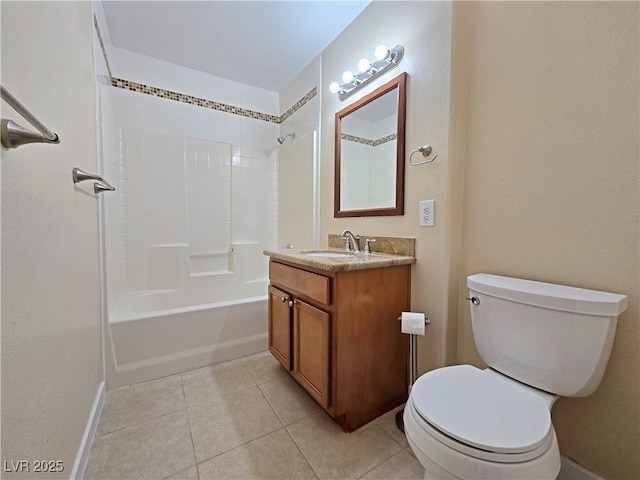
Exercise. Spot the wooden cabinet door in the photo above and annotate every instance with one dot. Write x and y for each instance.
(280, 326)
(311, 350)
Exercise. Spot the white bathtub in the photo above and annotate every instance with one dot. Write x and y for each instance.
(157, 333)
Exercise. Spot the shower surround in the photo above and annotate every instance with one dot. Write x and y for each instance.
(196, 203)
(200, 193)
(185, 208)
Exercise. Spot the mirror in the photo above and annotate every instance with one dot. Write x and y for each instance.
(369, 153)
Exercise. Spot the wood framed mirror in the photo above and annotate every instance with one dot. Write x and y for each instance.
(369, 153)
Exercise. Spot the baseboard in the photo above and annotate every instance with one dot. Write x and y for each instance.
(89, 434)
(569, 470)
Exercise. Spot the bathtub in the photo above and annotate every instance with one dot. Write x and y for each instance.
(161, 332)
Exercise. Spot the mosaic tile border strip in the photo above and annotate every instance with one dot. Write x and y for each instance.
(201, 102)
(366, 141)
(299, 104)
(190, 99)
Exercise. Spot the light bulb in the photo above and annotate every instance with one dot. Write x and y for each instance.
(334, 87)
(381, 52)
(348, 77)
(364, 65)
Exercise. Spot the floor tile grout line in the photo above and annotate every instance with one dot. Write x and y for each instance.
(402, 448)
(154, 419)
(296, 443)
(269, 380)
(163, 377)
(193, 447)
(386, 459)
(213, 367)
(284, 378)
(238, 446)
(410, 451)
(137, 424)
(389, 435)
(247, 442)
(110, 395)
(380, 464)
(211, 400)
(244, 365)
(183, 470)
(301, 452)
(262, 371)
(272, 407)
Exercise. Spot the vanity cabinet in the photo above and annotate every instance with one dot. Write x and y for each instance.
(299, 340)
(311, 350)
(280, 304)
(338, 335)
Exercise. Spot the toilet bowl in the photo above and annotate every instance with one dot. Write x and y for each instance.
(540, 341)
(480, 425)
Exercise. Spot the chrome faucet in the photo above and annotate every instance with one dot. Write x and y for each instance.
(350, 237)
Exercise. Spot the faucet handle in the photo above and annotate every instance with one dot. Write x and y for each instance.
(348, 235)
(367, 246)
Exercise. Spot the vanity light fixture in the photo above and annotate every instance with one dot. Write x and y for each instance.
(385, 60)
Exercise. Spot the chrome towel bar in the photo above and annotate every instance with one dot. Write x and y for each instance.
(14, 135)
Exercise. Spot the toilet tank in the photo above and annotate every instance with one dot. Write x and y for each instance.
(552, 337)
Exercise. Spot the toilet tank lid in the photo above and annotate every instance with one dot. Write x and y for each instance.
(548, 295)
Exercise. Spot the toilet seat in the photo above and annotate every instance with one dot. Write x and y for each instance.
(482, 414)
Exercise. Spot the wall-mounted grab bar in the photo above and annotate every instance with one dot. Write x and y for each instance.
(98, 187)
(14, 135)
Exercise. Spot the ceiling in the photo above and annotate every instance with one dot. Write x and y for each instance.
(261, 43)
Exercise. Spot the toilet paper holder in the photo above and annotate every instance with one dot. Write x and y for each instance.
(413, 354)
(413, 369)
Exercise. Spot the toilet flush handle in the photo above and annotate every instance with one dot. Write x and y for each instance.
(474, 300)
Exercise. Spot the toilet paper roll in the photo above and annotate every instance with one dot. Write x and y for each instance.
(412, 323)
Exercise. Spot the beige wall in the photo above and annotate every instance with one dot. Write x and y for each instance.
(551, 186)
(533, 111)
(51, 351)
(424, 29)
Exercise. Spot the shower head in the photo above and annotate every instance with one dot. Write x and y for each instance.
(284, 137)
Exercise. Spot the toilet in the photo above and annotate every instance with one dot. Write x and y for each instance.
(540, 341)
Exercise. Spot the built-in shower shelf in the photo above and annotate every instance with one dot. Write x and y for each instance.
(210, 262)
(209, 274)
(211, 253)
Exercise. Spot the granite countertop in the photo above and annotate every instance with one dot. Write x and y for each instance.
(354, 261)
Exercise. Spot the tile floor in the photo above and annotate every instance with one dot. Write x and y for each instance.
(243, 419)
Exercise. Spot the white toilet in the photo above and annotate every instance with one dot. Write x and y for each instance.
(541, 341)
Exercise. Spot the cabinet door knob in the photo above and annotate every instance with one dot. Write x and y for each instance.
(291, 303)
(284, 299)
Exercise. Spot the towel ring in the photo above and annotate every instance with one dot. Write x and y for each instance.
(426, 150)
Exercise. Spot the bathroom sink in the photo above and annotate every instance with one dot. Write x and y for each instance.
(329, 254)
